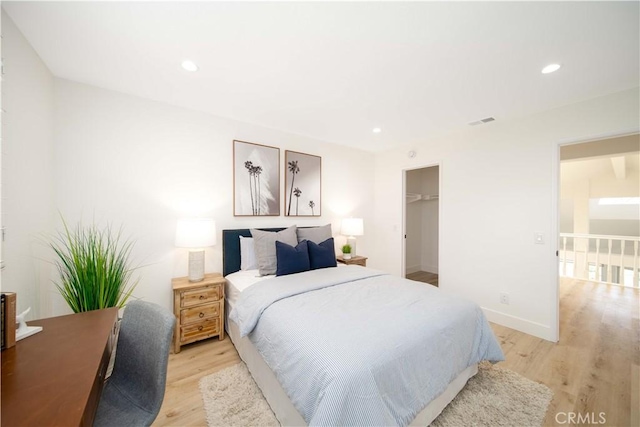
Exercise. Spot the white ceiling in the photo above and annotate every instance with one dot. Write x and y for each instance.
(333, 70)
(598, 167)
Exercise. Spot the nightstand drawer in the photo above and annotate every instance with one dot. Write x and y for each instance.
(204, 329)
(200, 296)
(195, 314)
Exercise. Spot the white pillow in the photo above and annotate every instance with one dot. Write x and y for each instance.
(248, 260)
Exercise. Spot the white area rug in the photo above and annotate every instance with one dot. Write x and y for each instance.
(494, 397)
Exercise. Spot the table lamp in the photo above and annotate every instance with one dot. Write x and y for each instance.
(352, 227)
(196, 234)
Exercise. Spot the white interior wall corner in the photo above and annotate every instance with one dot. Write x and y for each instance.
(172, 162)
(27, 172)
(494, 199)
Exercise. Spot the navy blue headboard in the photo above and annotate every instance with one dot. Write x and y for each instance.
(231, 248)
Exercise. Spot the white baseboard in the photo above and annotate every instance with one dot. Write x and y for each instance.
(412, 269)
(523, 325)
(429, 268)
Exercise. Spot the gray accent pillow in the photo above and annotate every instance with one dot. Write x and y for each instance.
(315, 234)
(265, 245)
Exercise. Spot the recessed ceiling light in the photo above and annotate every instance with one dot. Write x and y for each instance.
(377, 130)
(550, 68)
(189, 66)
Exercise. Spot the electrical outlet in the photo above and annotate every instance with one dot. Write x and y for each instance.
(504, 298)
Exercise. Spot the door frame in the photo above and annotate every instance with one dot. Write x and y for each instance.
(555, 217)
(404, 213)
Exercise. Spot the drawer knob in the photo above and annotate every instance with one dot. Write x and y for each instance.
(199, 328)
(203, 297)
(201, 315)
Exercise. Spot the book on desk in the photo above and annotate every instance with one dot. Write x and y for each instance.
(14, 327)
(8, 318)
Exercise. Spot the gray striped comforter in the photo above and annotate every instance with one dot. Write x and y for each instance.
(355, 346)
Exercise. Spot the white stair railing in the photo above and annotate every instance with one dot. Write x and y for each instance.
(577, 254)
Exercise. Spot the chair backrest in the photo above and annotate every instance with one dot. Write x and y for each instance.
(142, 353)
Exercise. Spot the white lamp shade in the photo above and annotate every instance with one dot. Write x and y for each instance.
(352, 227)
(195, 233)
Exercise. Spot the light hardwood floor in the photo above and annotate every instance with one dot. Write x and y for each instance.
(182, 405)
(594, 368)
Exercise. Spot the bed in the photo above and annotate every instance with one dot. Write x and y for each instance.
(351, 345)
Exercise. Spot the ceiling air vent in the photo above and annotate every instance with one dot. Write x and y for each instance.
(482, 121)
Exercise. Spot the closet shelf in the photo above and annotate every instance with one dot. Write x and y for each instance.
(414, 197)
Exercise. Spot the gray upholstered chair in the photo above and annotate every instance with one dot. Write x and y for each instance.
(132, 396)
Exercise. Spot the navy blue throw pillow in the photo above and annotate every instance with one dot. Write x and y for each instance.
(322, 255)
(291, 260)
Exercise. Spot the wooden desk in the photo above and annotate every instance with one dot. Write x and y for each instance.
(55, 377)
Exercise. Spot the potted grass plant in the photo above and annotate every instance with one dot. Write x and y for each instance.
(94, 267)
(346, 251)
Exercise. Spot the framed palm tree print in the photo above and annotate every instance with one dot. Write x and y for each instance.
(256, 179)
(303, 184)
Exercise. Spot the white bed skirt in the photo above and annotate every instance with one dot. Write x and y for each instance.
(280, 403)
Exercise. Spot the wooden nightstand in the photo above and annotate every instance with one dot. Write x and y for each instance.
(199, 309)
(356, 260)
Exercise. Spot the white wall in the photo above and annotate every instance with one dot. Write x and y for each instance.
(497, 189)
(1, 150)
(27, 169)
(143, 164)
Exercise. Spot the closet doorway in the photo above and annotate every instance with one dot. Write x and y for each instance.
(421, 224)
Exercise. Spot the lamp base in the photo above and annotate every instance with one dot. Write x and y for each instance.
(351, 241)
(196, 265)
